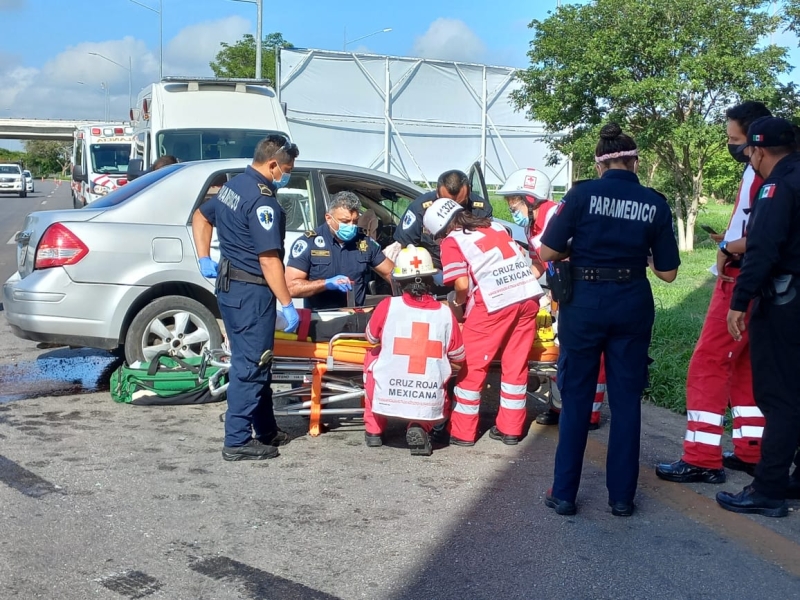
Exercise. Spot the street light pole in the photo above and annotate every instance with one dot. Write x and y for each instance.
(129, 69)
(259, 31)
(160, 13)
(104, 87)
(363, 37)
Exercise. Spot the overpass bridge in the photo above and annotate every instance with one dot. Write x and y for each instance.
(41, 129)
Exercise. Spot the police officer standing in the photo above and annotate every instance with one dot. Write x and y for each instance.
(614, 224)
(251, 227)
(335, 258)
(770, 276)
(451, 184)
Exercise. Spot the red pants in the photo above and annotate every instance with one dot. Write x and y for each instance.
(511, 330)
(719, 375)
(376, 424)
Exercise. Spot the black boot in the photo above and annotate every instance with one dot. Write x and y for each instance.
(418, 441)
(751, 502)
(683, 472)
(252, 450)
(548, 418)
(508, 440)
(734, 463)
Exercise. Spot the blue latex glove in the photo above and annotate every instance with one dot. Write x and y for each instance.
(338, 283)
(438, 278)
(291, 316)
(208, 268)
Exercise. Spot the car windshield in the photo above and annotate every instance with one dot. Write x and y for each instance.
(26, 173)
(207, 144)
(128, 191)
(110, 158)
(9, 170)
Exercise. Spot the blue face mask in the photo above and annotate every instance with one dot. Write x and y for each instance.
(283, 181)
(520, 219)
(346, 231)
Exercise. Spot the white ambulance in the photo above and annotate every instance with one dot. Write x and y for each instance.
(200, 118)
(100, 155)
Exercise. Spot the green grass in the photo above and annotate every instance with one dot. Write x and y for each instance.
(680, 309)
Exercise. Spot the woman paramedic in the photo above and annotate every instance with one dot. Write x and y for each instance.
(611, 229)
(489, 273)
(406, 375)
(528, 193)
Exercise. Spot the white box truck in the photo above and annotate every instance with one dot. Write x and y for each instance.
(100, 155)
(199, 118)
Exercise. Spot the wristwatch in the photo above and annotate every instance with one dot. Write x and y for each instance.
(723, 247)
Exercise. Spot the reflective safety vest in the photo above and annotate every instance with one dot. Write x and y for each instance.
(412, 366)
(498, 267)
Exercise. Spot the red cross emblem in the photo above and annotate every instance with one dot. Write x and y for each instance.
(418, 348)
(415, 262)
(492, 238)
(530, 182)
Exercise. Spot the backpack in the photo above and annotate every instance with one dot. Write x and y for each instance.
(166, 380)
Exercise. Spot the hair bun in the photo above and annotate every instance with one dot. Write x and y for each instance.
(610, 132)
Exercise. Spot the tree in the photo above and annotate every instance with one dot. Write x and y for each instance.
(47, 156)
(239, 59)
(666, 70)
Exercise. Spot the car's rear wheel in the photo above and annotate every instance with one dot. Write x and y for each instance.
(177, 325)
(23, 194)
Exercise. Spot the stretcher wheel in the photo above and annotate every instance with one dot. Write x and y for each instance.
(555, 395)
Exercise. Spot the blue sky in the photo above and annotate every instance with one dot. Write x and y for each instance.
(47, 71)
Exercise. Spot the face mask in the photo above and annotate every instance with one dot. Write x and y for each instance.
(520, 219)
(737, 154)
(346, 231)
(283, 181)
(755, 168)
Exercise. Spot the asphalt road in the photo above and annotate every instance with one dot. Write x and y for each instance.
(118, 502)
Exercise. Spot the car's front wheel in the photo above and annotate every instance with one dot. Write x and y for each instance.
(177, 325)
(23, 194)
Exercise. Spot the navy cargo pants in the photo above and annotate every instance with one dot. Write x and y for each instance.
(615, 319)
(248, 311)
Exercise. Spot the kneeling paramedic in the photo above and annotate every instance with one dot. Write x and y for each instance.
(527, 193)
(250, 226)
(407, 374)
(491, 274)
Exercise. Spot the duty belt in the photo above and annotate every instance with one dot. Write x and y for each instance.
(239, 275)
(606, 274)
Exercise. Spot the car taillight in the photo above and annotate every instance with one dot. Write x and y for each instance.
(59, 247)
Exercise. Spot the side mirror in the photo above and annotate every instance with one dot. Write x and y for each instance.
(78, 174)
(135, 168)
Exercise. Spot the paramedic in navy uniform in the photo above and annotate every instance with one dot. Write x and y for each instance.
(250, 226)
(335, 258)
(611, 229)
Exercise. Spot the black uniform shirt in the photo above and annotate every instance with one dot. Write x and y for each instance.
(411, 231)
(773, 234)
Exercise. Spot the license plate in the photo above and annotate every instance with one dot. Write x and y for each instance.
(5, 185)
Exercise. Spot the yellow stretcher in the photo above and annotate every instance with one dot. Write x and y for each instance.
(324, 374)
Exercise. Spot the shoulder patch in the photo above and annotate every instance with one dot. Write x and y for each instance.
(409, 219)
(310, 233)
(319, 241)
(299, 247)
(264, 189)
(767, 191)
(266, 216)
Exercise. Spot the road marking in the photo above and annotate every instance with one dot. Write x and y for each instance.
(45, 201)
(765, 543)
(13, 239)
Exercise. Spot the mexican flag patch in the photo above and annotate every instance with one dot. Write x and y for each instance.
(768, 191)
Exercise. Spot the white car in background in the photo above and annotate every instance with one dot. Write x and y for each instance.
(12, 181)
(28, 181)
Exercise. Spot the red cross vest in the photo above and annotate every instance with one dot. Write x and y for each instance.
(497, 267)
(412, 366)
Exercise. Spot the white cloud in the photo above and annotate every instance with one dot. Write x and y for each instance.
(54, 90)
(450, 39)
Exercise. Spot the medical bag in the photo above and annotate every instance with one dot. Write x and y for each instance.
(166, 380)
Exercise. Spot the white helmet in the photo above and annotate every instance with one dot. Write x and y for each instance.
(413, 262)
(527, 182)
(439, 214)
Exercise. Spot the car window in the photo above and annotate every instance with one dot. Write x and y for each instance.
(129, 190)
(297, 201)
